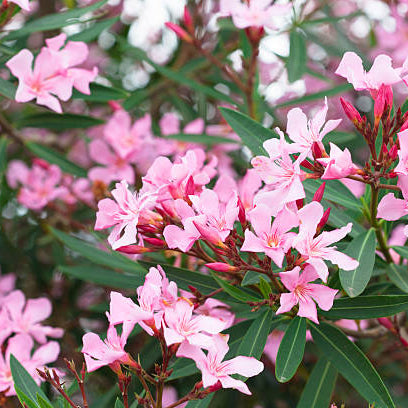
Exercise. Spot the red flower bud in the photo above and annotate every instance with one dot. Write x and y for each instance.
(180, 32)
(324, 219)
(317, 150)
(241, 213)
(352, 113)
(134, 249)
(384, 321)
(114, 105)
(393, 153)
(221, 267)
(155, 241)
(299, 203)
(188, 20)
(318, 195)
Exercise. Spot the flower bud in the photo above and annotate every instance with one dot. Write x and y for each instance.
(393, 153)
(134, 249)
(180, 32)
(241, 213)
(209, 235)
(188, 20)
(384, 321)
(155, 241)
(352, 113)
(114, 105)
(221, 267)
(318, 195)
(323, 220)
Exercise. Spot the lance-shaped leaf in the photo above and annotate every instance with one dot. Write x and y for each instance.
(398, 275)
(352, 364)
(291, 349)
(366, 307)
(361, 248)
(243, 295)
(59, 122)
(296, 63)
(319, 387)
(252, 133)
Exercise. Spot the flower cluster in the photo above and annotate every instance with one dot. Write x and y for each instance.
(183, 325)
(21, 331)
(54, 74)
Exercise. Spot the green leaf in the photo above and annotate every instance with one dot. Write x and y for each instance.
(236, 293)
(92, 33)
(182, 79)
(101, 93)
(252, 133)
(101, 276)
(296, 63)
(54, 157)
(204, 139)
(264, 287)
(352, 364)
(361, 248)
(110, 259)
(291, 349)
(3, 154)
(7, 89)
(59, 122)
(401, 250)
(319, 387)
(203, 403)
(24, 399)
(339, 218)
(253, 343)
(317, 96)
(53, 21)
(25, 383)
(42, 402)
(398, 275)
(366, 307)
(119, 403)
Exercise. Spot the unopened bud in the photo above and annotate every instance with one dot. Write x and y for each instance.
(241, 212)
(299, 203)
(209, 235)
(41, 163)
(114, 105)
(318, 195)
(134, 249)
(384, 321)
(393, 153)
(190, 186)
(155, 241)
(317, 150)
(188, 20)
(180, 32)
(221, 267)
(352, 113)
(324, 219)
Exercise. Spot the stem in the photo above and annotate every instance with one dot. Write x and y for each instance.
(374, 222)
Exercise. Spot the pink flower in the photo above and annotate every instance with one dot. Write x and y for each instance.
(23, 4)
(304, 293)
(280, 173)
(116, 167)
(123, 214)
(25, 316)
(219, 218)
(156, 293)
(40, 184)
(20, 347)
(7, 284)
(124, 137)
(338, 165)
(391, 208)
(315, 249)
(258, 13)
(402, 166)
(170, 397)
(110, 352)
(305, 132)
(273, 240)
(381, 72)
(181, 326)
(215, 370)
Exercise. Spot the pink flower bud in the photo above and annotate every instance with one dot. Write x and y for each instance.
(241, 214)
(188, 19)
(324, 219)
(134, 249)
(393, 153)
(317, 150)
(384, 321)
(115, 106)
(155, 241)
(190, 186)
(351, 112)
(318, 195)
(221, 267)
(180, 32)
(209, 235)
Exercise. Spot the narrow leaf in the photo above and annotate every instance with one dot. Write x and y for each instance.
(92, 33)
(54, 157)
(398, 275)
(361, 248)
(204, 403)
(319, 387)
(291, 349)
(367, 307)
(239, 294)
(296, 63)
(352, 364)
(204, 139)
(252, 133)
(101, 93)
(7, 89)
(59, 122)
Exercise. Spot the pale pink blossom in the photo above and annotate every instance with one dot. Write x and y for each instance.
(26, 316)
(272, 239)
(182, 326)
(7, 284)
(170, 397)
(219, 218)
(123, 214)
(402, 166)
(304, 293)
(20, 346)
(39, 185)
(214, 369)
(98, 353)
(391, 208)
(304, 132)
(381, 72)
(315, 249)
(338, 165)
